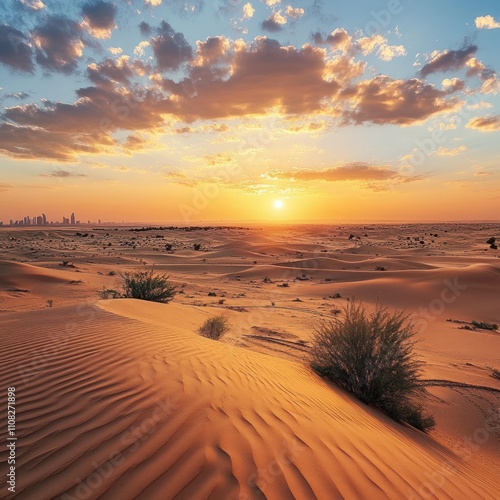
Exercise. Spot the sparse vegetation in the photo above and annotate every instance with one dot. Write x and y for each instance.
(371, 356)
(495, 373)
(197, 247)
(214, 328)
(109, 293)
(483, 325)
(50, 302)
(145, 285)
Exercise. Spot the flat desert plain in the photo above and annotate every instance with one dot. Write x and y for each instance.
(122, 399)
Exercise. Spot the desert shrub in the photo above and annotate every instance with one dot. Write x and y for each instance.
(197, 247)
(214, 328)
(485, 326)
(495, 373)
(146, 285)
(372, 357)
(109, 293)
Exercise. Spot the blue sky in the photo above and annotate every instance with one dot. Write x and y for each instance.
(340, 109)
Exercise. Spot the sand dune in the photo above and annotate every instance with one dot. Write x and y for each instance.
(220, 419)
(126, 401)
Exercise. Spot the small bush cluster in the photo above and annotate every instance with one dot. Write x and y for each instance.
(145, 285)
(483, 325)
(372, 357)
(214, 328)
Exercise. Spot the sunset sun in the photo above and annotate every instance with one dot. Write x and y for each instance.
(278, 204)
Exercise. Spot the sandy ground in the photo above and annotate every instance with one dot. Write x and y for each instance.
(122, 399)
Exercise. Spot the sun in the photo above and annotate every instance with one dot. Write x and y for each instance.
(278, 204)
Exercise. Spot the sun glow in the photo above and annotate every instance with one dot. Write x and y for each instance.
(278, 204)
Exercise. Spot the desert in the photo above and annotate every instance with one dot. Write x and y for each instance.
(249, 249)
(122, 398)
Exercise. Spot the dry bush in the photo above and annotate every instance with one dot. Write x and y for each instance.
(372, 357)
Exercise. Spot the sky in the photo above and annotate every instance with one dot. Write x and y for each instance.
(261, 110)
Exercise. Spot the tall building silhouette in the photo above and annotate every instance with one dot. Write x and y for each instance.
(73, 219)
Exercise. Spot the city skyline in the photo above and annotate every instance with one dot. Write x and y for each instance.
(42, 220)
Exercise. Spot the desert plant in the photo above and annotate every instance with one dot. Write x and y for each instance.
(146, 285)
(109, 293)
(50, 302)
(197, 247)
(372, 357)
(483, 325)
(214, 328)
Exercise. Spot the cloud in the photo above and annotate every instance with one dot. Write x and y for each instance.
(61, 132)
(145, 28)
(264, 75)
(448, 60)
(274, 22)
(453, 84)
(25, 142)
(100, 17)
(487, 22)
(212, 51)
(62, 174)
(17, 95)
(451, 152)
(355, 171)
(170, 48)
(15, 49)
(5, 187)
(383, 100)
(491, 84)
(339, 39)
(58, 44)
(294, 13)
(118, 70)
(115, 50)
(139, 50)
(314, 126)
(153, 3)
(270, 3)
(248, 11)
(389, 52)
(485, 124)
(33, 4)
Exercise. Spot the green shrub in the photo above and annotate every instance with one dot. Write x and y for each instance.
(372, 357)
(214, 328)
(146, 285)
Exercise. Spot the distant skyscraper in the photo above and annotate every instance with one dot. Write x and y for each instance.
(73, 219)
(65, 220)
(44, 219)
